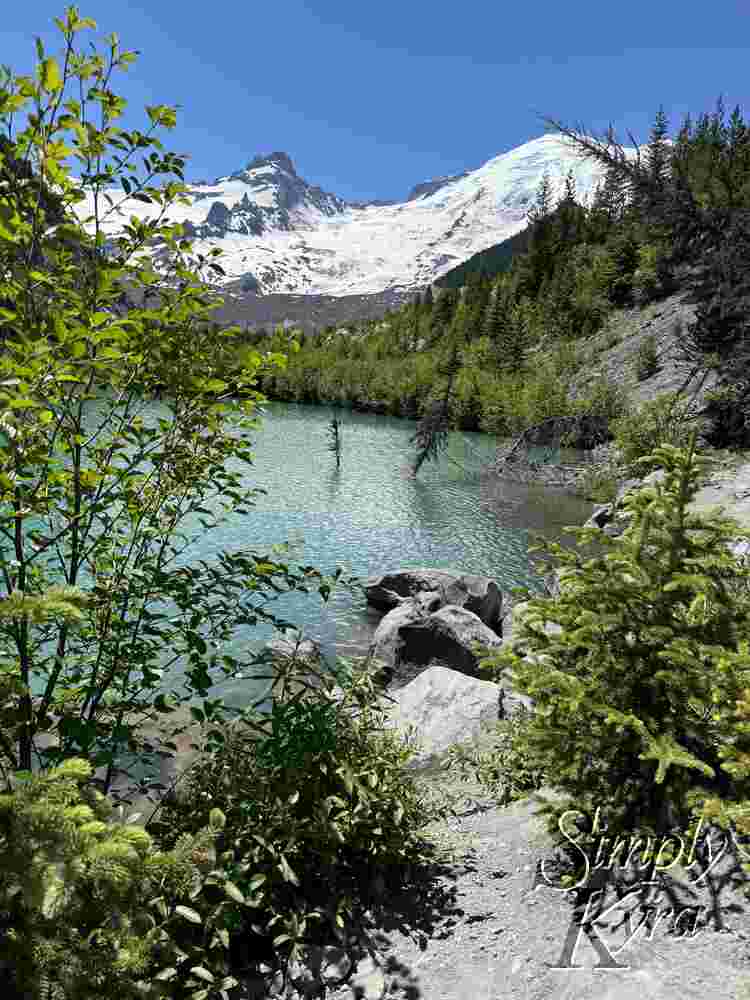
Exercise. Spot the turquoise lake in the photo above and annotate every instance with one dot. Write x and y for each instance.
(370, 516)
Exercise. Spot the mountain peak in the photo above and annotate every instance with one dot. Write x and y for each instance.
(280, 159)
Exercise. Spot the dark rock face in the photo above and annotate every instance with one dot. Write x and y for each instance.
(477, 594)
(289, 192)
(413, 636)
(282, 160)
(601, 516)
(218, 215)
(446, 635)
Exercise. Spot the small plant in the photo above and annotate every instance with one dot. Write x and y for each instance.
(647, 359)
(91, 909)
(597, 483)
(612, 340)
(605, 398)
(502, 765)
(318, 803)
(664, 420)
(636, 695)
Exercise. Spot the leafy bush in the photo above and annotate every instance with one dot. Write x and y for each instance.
(612, 339)
(317, 802)
(660, 421)
(502, 764)
(653, 276)
(604, 399)
(636, 694)
(647, 358)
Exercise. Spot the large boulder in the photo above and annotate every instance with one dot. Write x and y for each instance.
(387, 641)
(384, 591)
(443, 707)
(408, 640)
(477, 594)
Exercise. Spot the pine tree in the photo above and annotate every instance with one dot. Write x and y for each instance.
(431, 435)
(538, 262)
(542, 201)
(442, 314)
(496, 317)
(626, 695)
(658, 151)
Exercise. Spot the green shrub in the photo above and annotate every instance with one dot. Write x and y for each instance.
(502, 764)
(653, 276)
(612, 340)
(636, 694)
(90, 909)
(664, 420)
(647, 358)
(597, 483)
(317, 801)
(604, 399)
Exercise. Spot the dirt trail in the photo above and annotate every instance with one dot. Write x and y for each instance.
(481, 930)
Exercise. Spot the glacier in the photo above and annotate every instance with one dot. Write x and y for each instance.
(284, 235)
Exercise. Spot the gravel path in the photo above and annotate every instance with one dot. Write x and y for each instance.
(480, 930)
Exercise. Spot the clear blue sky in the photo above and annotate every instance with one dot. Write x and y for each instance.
(371, 98)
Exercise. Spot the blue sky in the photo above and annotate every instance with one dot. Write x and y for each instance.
(369, 99)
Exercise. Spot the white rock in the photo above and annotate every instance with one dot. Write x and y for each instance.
(445, 707)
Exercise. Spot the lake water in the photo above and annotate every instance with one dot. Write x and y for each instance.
(370, 516)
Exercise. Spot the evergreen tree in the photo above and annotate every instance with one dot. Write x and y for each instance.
(431, 435)
(542, 206)
(538, 262)
(654, 638)
(496, 316)
(658, 152)
(442, 314)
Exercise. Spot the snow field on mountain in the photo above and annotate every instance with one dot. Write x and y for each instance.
(366, 250)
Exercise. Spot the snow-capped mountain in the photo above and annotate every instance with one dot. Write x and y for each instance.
(280, 234)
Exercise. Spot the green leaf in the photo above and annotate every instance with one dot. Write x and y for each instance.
(234, 893)
(287, 871)
(49, 75)
(202, 973)
(189, 914)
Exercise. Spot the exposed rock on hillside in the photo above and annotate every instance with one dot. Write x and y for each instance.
(617, 362)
